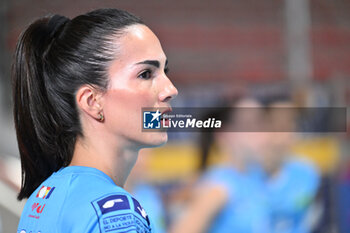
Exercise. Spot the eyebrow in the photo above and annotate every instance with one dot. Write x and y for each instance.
(152, 62)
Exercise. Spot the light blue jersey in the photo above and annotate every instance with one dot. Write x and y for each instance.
(82, 200)
(152, 201)
(246, 209)
(290, 194)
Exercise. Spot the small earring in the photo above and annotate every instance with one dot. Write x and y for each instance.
(101, 116)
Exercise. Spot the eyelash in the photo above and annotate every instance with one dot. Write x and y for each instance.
(166, 70)
(149, 72)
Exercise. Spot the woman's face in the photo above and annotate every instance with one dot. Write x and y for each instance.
(137, 80)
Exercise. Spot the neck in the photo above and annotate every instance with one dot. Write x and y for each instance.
(116, 162)
(272, 169)
(235, 159)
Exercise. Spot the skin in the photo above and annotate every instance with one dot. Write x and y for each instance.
(281, 117)
(112, 145)
(205, 204)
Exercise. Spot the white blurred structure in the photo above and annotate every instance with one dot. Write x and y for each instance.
(298, 34)
(9, 184)
(10, 207)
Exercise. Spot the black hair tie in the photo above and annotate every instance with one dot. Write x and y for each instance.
(56, 25)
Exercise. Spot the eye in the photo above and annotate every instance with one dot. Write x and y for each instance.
(145, 74)
(166, 70)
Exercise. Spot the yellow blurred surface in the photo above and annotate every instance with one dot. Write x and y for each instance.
(178, 161)
(173, 162)
(323, 151)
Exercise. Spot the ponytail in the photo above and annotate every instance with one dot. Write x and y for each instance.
(53, 58)
(35, 118)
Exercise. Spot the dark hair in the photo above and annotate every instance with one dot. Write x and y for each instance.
(225, 112)
(207, 139)
(53, 58)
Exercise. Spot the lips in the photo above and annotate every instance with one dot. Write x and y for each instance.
(167, 110)
(164, 120)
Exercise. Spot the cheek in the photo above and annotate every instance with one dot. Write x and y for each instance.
(123, 110)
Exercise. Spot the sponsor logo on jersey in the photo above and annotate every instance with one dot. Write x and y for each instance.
(37, 209)
(45, 192)
(121, 213)
(24, 231)
(141, 211)
(113, 203)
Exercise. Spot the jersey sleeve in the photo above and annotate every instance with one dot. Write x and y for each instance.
(116, 213)
(218, 176)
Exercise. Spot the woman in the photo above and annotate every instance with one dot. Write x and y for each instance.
(228, 197)
(290, 181)
(79, 87)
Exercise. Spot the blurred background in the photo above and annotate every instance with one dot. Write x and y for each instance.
(291, 51)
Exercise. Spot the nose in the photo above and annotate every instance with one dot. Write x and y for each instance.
(168, 90)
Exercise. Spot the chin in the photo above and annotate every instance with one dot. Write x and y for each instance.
(156, 139)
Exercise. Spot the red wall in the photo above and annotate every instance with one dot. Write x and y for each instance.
(220, 41)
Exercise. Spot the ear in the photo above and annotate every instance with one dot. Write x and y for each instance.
(89, 100)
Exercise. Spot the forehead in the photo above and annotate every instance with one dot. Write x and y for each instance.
(140, 43)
